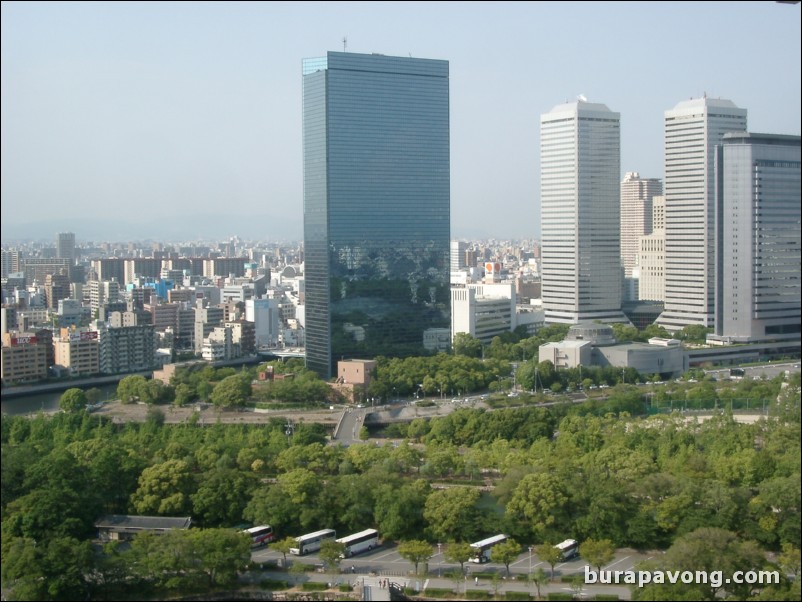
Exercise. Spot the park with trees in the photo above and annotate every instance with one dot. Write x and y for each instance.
(604, 472)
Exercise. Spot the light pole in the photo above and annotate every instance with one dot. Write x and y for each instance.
(530, 560)
(288, 430)
(440, 561)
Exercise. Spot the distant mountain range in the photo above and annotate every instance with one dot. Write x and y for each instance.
(203, 227)
(173, 229)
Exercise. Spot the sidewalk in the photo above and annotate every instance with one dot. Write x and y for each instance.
(373, 587)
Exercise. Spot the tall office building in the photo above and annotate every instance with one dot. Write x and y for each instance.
(458, 248)
(65, 246)
(652, 255)
(580, 207)
(636, 215)
(692, 130)
(758, 247)
(376, 205)
(10, 262)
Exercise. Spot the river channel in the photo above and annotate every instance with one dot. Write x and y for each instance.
(48, 402)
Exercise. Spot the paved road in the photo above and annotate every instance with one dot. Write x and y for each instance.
(349, 426)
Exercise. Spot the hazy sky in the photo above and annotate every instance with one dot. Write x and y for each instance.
(141, 112)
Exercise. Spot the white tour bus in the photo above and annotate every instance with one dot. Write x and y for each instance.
(481, 549)
(261, 535)
(311, 542)
(359, 542)
(569, 548)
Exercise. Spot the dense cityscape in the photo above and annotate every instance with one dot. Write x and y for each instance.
(385, 410)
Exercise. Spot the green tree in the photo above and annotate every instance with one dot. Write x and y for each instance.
(709, 549)
(129, 388)
(538, 578)
(330, 554)
(54, 568)
(540, 499)
(415, 551)
(221, 497)
(452, 513)
(467, 345)
(221, 553)
(506, 552)
(694, 333)
(283, 547)
(72, 400)
(184, 394)
(399, 510)
(232, 391)
(549, 554)
(164, 489)
(297, 571)
(577, 582)
(597, 552)
(624, 333)
(154, 391)
(790, 560)
(93, 395)
(459, 552)
(57, 510)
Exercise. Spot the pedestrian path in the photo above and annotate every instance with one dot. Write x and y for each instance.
(376, 588)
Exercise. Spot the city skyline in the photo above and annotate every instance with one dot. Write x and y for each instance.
(192, 111)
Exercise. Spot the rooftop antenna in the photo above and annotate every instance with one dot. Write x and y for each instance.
(582, 98)
(345, 43)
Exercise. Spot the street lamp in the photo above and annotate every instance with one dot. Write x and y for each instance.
(530, 560)
(440, 566)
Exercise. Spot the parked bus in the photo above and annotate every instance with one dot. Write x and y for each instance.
(261, 535)
(481, 549)
(311, 542)
(569, 548)
(359, 542)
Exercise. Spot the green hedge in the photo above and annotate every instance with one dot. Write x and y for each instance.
(478, 594)
(559, 596)
(346, 587)
(610, 597)
(484, 575)
(273, 584)
(314, 586)
(438, 592)
(517, 596)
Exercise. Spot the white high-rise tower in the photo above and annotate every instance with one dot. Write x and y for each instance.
(580, 162)
(636, 215)
(692, 130)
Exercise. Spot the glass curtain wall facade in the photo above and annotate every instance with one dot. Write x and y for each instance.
(376, 205)
(692, 130)
(758, 248)
(580, 158)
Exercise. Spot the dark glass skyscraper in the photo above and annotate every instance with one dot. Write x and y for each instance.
(376, 205)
